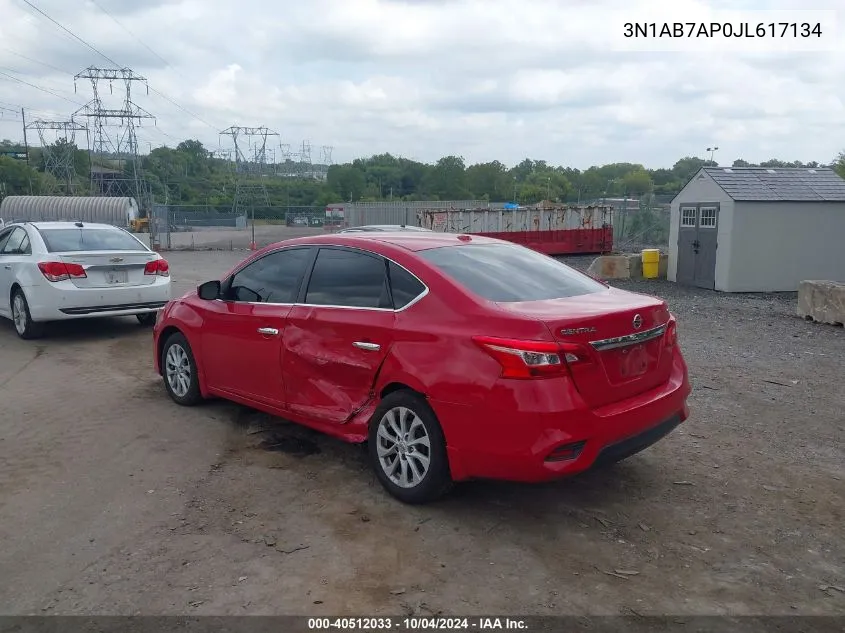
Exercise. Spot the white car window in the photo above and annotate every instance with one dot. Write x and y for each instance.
(4, 237)
(89, 239)
(17, 243)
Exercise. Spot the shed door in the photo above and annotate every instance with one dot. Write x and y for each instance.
(697, 245)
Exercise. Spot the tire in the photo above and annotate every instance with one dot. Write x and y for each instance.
(409, 412)
(21, 318)
(178, 359)
(146, 319)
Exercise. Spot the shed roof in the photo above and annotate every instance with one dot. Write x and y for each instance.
(785, 184)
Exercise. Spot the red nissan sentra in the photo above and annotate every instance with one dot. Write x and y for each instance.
(453, 356)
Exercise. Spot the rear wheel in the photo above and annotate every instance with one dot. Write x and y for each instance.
(147, 318)
(179, 370)
(407, 449)
(24, 325)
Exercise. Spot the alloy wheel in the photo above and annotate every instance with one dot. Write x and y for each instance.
(403, 447)
(177, 367)
(19, 313)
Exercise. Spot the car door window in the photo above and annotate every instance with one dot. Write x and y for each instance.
(15, 242)
(25, 247)
(4, 237)
(404, 286)
(349, 279)
(274, 278)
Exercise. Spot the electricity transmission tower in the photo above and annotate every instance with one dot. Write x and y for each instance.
(325, 160)
(306, 169)
(58, 147)
(251, 166)
(113, 143)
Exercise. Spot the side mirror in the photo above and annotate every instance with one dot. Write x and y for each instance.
(209, 291)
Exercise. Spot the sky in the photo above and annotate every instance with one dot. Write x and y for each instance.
(552, 80)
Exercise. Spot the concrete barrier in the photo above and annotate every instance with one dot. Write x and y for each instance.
(822, 301)
(625, 267)
(610, 267)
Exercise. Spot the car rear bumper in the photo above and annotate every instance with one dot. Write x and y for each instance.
(61, 301)
(536, 447)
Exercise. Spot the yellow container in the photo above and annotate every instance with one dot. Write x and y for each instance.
(651, 263)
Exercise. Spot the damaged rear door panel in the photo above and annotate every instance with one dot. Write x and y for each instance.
(331, 358)
(338, 336)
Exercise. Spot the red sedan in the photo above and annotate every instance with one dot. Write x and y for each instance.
(452, 356)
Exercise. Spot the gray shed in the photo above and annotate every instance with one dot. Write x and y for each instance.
(753, 229)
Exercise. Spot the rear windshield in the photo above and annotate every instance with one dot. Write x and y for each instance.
(505, 272)
(85, 239)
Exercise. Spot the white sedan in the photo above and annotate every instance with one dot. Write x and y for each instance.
(52, 271)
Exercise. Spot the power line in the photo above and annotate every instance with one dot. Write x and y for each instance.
(185, 110)
(74, 35)
(19, 73)
(162, 59)
(121, 25)
(106, 57)
(36, 61)
(49, 92)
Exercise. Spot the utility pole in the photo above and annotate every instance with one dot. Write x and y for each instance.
(26, 149)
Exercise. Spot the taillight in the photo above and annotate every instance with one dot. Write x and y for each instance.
(574, 353)
(671, 333)
(524, 359)
(157, 267)
(60, 271)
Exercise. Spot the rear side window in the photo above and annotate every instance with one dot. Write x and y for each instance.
(89, 239)
(509, 273)
(348, 278)
(4, 237)
(404, 285)
(17, 243)
(274, 278)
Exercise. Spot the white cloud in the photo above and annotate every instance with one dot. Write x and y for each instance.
(488, 79)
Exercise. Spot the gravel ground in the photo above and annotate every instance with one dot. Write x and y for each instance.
(114, 500)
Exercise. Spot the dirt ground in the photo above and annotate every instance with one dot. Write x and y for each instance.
(113, 500)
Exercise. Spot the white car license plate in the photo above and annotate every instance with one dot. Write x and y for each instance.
(117, 276)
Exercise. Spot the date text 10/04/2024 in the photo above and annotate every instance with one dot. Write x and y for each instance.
(777, 30)
(418, 624)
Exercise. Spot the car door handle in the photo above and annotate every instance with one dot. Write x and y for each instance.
(268, 331)
(8, 267)
(370, 347)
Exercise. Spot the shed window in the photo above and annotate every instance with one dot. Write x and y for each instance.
(708, 218)
(688, 217)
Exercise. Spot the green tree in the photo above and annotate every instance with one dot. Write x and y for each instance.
(637, 182)
(447, 180)
(839, 164)
(18, 178)
(346, 181)
(489, 180)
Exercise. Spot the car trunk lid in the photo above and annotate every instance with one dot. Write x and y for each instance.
(613, 341)
(111, 269)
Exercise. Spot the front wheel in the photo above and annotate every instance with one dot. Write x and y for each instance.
(179, 370)
(407, 449)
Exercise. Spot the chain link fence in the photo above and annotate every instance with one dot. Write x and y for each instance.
(201, 227)
(642, 224)
(636, 229)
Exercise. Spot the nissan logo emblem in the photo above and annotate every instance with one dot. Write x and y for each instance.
(638, 322)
